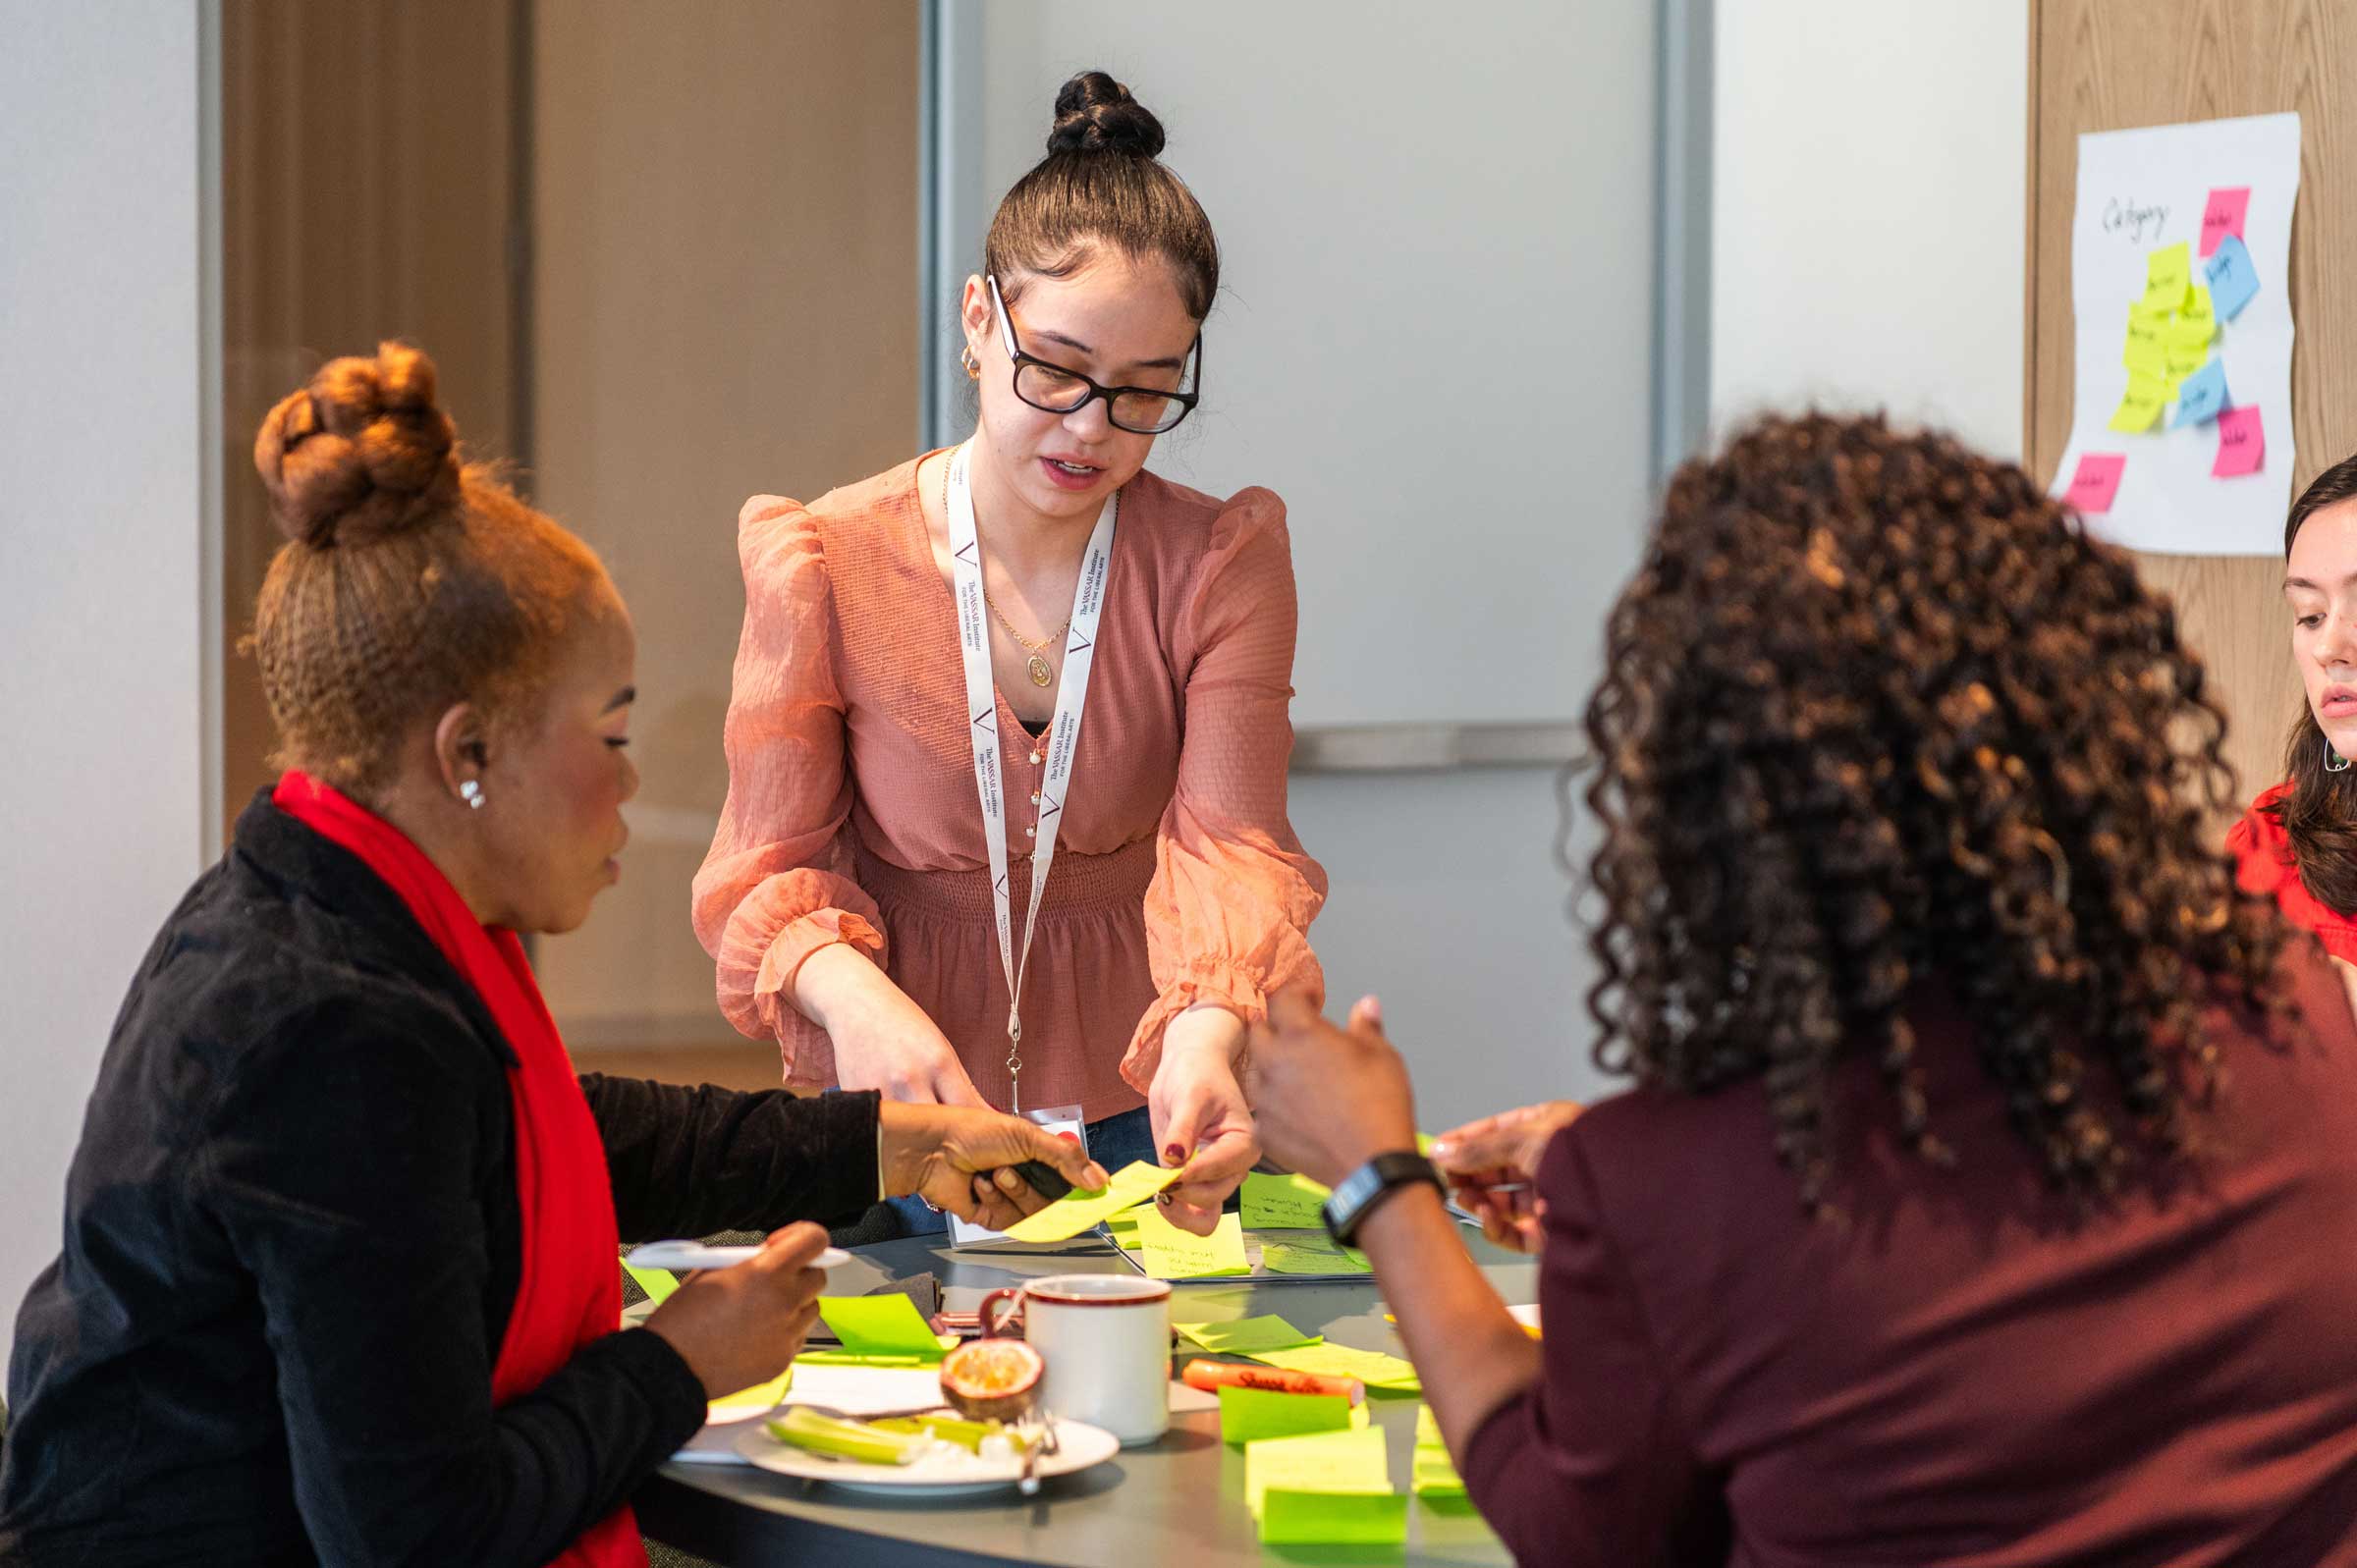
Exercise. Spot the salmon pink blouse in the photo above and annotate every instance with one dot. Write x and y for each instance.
(851, 814)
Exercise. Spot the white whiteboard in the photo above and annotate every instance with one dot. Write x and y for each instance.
(1435, 331)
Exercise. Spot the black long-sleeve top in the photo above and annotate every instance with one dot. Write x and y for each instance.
(292, 1243)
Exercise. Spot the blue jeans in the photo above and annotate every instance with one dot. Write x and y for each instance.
(1114, 1142)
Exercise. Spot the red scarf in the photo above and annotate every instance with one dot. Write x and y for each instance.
(569, 1289)
(2261, 850)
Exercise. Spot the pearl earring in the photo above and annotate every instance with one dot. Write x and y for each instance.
(472, 793)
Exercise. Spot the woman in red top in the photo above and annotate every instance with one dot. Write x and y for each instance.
(1970, 1208)
(2298, 842)
(1111, 652)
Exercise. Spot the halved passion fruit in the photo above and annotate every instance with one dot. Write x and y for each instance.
(992, 1380)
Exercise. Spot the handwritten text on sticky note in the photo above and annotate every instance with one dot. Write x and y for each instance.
(1324, 1461)
(2232, 277)
(2167, 273)
(2203, 397)
(2241, 443)
(1175, 1254)
(2096, 481)
(2223, 216)
(2140, 405)
(1283, 1202)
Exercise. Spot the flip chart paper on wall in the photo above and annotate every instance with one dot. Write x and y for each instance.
(2141, 194)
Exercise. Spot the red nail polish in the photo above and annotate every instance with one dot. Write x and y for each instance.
(1173, 1154)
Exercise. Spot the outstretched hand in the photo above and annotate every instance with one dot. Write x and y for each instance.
(1328, 1098)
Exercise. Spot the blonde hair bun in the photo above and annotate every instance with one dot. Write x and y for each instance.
(362, 452)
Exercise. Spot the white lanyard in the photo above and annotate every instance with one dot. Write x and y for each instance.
(1063, 739)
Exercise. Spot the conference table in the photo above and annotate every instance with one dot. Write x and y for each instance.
(1179, 1500)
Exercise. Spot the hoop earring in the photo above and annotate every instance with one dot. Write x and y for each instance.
(2335, 762)
(472, 793)
(973, 367)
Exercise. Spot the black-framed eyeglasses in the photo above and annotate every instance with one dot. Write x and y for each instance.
(1052, 389)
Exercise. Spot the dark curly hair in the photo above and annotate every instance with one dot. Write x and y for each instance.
(1878, 714)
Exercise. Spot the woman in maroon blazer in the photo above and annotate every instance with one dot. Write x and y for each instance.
(1988, 1193)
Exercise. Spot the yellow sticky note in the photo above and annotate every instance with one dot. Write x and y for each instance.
(1076, 1212)
(880, 1325)
(658, 1283)
(2186, 335)
(1243, 1335)
(2141, 404)
(1324, 1461)
(1284, 1202)
(1381, 1373)
(1247, 1414)
(1175, 1254)
(757, 1400)
(2168, 274)
(1331, 1518)
(1434, 1474)
(2146, 347)
(2198, 308)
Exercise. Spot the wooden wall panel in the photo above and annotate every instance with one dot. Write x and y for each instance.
(725, 293)
(2104, 65)
(367, 186)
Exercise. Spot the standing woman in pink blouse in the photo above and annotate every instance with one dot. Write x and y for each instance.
(1027, 650)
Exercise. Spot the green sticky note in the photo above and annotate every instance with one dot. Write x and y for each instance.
(1175, 1254)
(845, 1358)
(1124, 1228)
(1381, 1373)
(1434, 1474)
(2167, 275)
(1243, 1335)
(1324, 1461)
(1076, 1212)
(1324, 1518)
(1428, 1429)
(1284, 1202)
(1247, 1414)
(880, 1325)
(658, 1283)
(1304, 1256)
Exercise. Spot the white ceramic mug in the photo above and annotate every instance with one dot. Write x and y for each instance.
(1106, 1340)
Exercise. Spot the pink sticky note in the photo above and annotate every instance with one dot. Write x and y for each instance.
(2097, 481)
(2241, 443)
(2223, 215)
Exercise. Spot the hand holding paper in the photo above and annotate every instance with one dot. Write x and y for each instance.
(1066, 1217)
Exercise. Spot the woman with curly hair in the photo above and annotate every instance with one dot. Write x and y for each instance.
(2298, 842)
(1986, 1193)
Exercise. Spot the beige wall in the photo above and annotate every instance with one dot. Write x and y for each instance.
(724, 302)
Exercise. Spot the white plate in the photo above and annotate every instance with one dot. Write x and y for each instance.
(688, 1254)
(1078, 1448)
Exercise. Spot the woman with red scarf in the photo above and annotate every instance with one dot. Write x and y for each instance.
(2298, 842)
(339, 1281)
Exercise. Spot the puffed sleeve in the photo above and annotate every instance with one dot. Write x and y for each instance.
(779, 883)
(1229, 910)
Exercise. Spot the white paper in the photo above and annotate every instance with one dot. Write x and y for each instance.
(2138, 191)
(964, 1234)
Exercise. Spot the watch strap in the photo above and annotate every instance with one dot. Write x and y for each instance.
(1361, 1192)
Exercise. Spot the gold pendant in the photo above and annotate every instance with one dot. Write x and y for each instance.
(1041, 675)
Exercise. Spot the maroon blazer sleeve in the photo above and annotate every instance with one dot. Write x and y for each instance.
(1590, 1463)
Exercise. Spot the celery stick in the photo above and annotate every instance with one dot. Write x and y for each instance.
(805, 1429)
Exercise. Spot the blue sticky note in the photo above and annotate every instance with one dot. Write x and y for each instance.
(2201, 396)
(2232, 278)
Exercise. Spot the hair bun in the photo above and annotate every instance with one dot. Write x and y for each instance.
(360, 452)
(1096, 114)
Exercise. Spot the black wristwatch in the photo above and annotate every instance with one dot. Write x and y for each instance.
(1362, 1191)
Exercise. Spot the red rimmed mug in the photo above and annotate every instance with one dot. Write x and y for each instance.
(1105, 1341)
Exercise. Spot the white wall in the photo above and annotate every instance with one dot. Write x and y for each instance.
(1868, 210)
(100, 583)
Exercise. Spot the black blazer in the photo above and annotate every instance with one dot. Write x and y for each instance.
(292, 1244)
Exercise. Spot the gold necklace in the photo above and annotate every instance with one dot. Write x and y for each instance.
(1042, 674)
